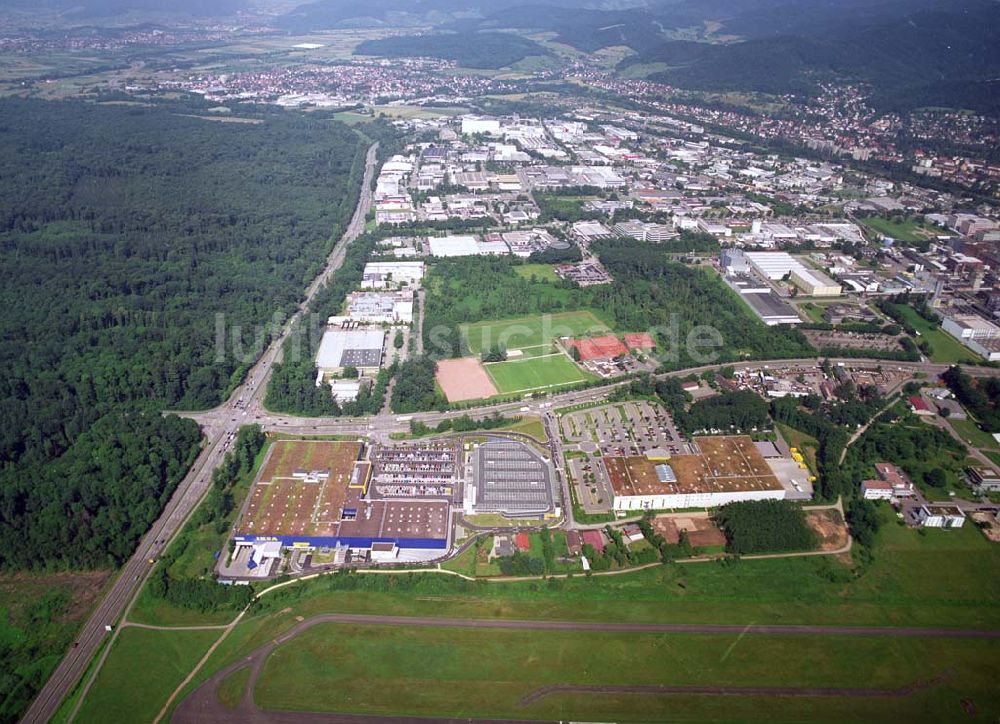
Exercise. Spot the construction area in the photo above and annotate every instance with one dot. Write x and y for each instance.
(723, 470)
(313, 496)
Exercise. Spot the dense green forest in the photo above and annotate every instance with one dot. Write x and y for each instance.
(741, 411)
(765, 526)
(124, 232)
(981, 398)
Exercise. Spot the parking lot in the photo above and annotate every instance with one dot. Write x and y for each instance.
(625, 428)
(511, 479)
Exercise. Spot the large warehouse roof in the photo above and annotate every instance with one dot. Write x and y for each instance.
(357, 348)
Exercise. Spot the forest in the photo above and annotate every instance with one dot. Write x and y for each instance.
(765, 526)
(129, 236)
(742, 411)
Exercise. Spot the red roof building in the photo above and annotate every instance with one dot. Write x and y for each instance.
(522, 542)
(920, 407)
(599, 348)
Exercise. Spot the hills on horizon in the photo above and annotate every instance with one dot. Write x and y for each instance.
(912, 53)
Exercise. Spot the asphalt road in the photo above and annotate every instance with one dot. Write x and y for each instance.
(218, 428)
(384, 424)
(203, 705)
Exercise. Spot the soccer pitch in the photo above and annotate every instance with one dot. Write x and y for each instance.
(533, 335)
(535, 373)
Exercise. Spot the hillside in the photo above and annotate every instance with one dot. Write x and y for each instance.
(935, 57)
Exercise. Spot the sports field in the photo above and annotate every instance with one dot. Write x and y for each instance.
(532, 335)
(535, 373)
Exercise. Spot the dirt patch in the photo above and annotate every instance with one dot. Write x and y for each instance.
(464, 379)
(989, 524)
(702, 532)
(829, 527)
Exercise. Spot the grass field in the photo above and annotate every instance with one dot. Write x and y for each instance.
(946, 349)
(531, 332)
(142, 669)
(230, 689)
(908, 231)
(544, 272)
(894, 590)
(970, 432)
(535, 373)
(386, 670)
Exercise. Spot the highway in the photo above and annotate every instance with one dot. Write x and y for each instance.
(219, 429)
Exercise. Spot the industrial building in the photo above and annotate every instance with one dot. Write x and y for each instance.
(362, 349)
(381, 307)
(725, 470)
(445, 246)
(776, 265)
(392, 274)
(768, 306)
(472, 125)
(978, 334)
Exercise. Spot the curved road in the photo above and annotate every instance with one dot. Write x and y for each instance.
(235, 413)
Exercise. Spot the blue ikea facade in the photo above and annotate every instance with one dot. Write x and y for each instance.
(297, 541)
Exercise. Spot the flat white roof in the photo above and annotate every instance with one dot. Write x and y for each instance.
(453, 246)
(336, 341)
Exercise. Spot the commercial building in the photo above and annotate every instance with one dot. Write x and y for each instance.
(510, 478)
(362, 349)
(984, 480)
(644, 231)
(901, 485)
(725, 470)
(876, 490)
(345, 390)
(314, 494)
(937, 515)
